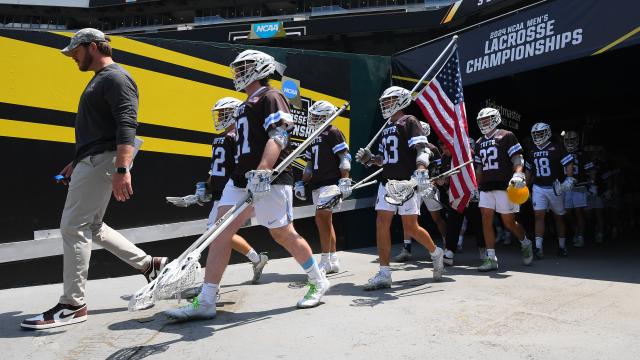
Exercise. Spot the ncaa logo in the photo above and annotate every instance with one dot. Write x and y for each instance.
(266, 30)
(290, 89)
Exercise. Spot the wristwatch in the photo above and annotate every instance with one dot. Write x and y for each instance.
(122, 170)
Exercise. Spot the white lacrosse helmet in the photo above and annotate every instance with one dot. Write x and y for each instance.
(488, 119)
(426, 129)
(319, 112)
(571, 140)
(223, 111)
(540, 133)
(249, 66)
(394, 99)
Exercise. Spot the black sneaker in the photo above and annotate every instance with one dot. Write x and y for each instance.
(538, 254)
(562, 252)
(155, 267)
(59, 315)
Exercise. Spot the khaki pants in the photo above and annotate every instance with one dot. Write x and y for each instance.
(87, 200)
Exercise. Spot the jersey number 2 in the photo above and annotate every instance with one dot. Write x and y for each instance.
(217, 167)
(243, 137)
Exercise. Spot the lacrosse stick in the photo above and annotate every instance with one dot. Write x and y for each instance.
(333, 201)
(451, 47)
(181, 273)
(399, 191)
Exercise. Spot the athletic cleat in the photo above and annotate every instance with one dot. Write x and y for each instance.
(448, 258)
(438, 264)
(335, 266)
(379, 281)
(155, 267)
(257, 267)
(314, 294)
(404, 256)
(538, 254)
(194, 310)
(526, 249)
(482, 252)
(562, 252)
(488, 264)
(59, 315)
(325, 265)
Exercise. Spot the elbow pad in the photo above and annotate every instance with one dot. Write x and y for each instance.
(345, 161)
(280, 136)
(517, 160)
(424, 154)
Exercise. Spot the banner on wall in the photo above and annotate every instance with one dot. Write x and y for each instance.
(550, 33)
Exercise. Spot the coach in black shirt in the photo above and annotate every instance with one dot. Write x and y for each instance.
(105, 132)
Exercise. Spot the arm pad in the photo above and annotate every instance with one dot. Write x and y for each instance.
(280, 136)
(345, 161)
(424, 154)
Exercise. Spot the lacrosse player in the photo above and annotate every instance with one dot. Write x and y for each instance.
(328, 164)
(575, 201)
(546, 164)
(223, 151)
(499, 162)
(404, 155)
(262, 141)
(433, 203)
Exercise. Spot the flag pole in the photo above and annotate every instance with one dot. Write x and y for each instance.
(451, 47)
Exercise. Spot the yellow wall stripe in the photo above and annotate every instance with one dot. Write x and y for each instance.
(452, 12)
(618, 41)
(56, 133)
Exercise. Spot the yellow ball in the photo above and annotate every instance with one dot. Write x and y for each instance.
(517, 195)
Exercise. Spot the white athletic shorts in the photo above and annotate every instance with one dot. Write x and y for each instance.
(213, 215)
(544, 198)
(498, 201)
(273, 210)
(433, 204)
(315, 195)
(410, 207)
(595, 202)
(574, 199)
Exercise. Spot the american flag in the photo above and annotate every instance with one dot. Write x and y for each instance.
(442, 103)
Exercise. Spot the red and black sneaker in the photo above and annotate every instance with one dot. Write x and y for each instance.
(155, 267)
(59, 315)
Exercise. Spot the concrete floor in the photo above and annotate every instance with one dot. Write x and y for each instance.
(582, 307)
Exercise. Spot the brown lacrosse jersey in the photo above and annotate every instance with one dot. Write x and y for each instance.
(581, 166)
(396, 146)
(223, 152)
(493, 158)
(323, 155)
(266, 108)
(547, 164)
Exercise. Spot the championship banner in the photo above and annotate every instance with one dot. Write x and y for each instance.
(550, 33)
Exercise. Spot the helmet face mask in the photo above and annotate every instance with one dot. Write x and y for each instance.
(223, 113)
(540, 134)
(488, 120)
(319, 112)
(250, 66)
(571, 141)
(393, 100)
(426, 129)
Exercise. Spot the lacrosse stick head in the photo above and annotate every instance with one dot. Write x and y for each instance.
(180, 276)
(143, 298)
(330, 198)
(399, 191)
(517, 195)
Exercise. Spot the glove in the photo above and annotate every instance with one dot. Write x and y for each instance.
(475, 196)
(345, 185)
(298, 190)
(518, 180)
(258, 182)
(568, 183)
(201, 193)
(184, 201)
(421, 177)
(364, 156)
